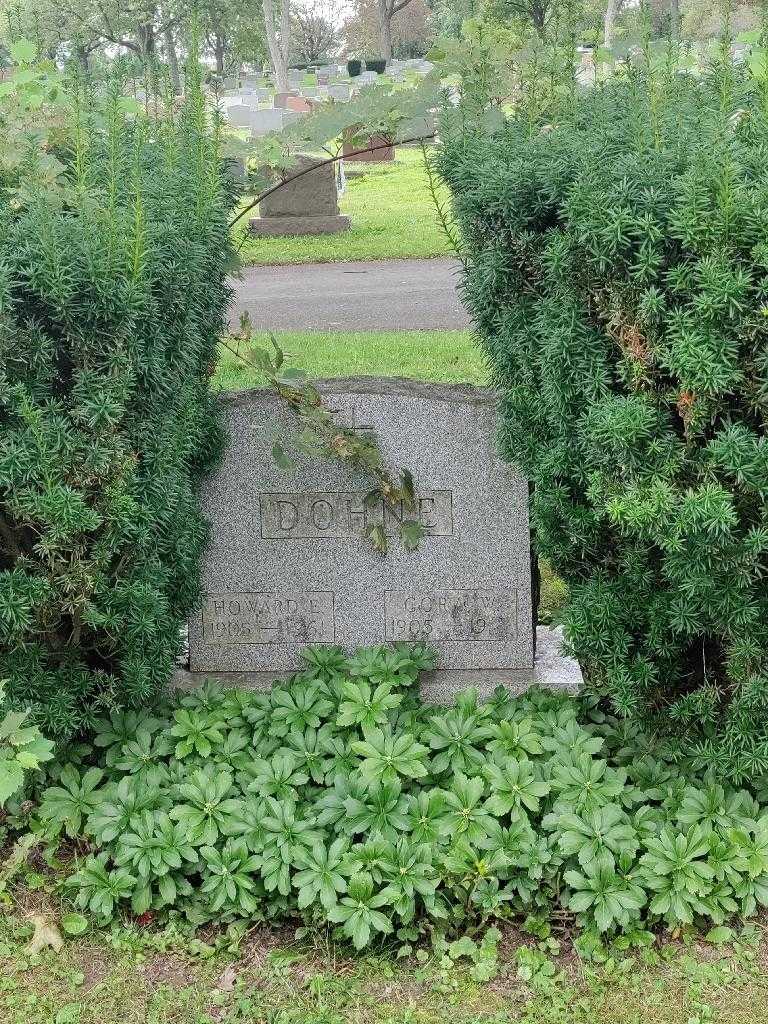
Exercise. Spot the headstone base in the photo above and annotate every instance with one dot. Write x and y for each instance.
(271, 227)
(553, 670)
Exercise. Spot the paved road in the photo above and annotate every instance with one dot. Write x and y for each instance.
(384, 295)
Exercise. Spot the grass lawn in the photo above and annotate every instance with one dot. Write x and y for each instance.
(392, 213)
(137, 976)
(450, 356)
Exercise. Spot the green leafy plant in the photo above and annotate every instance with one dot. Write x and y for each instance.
(358, 913)
(23, 749)
(230, 883)
(365, 706)
(195, 732)
(460, 735)
(514, 786)
(676, 868)
(593, 834)
(100, 889)
(322, 874)
(67, 805)
(303, 811)
(602, 895)
(387, 756)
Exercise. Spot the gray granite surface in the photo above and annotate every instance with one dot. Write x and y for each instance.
(287, 565)
(553, 670)
(313, 194)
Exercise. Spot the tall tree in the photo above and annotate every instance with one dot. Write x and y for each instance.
(387, 10)
(135, 25)
(449, 15)
(412, 30)
(315, 31)
(612, 10)
(664, 17)
(233, 31)
(277, 25)
(674, 19)
(172, 57)
(46, 24)
(531, 12)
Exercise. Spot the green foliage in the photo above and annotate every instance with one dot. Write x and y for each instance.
(617, 273)
(320, 435)
(23, 748)
(33, 105)
(302, 807)
(397, 112)
(114, 252)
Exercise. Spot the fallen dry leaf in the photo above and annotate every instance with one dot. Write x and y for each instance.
(46, 935)
(227, 979)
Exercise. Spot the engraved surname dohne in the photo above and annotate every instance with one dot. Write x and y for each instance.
(473, 614)
(276, 617)
(309, 515)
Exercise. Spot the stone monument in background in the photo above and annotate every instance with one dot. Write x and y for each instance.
(307, 206)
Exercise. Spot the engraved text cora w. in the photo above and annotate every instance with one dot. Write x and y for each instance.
(438, 615)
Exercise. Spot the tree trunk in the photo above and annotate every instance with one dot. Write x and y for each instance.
(83, 58)
(385, 29)
(674, 19)
(173, 61)
(658, 13)
(220, 49)
(609, 22)
(146, 36)
(278, 40)
(539, 18)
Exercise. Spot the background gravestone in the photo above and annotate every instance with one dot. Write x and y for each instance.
(341, 91)
(287, 565)
(307, 206)
(353, 141)
(241, 116)
(264, 121)
(300, 104)
(281, 98)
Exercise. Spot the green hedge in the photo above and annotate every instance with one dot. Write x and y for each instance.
(618, 277)
(113, 295)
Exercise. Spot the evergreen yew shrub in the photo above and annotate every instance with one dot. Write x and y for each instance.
(113, 294)
(617, 249)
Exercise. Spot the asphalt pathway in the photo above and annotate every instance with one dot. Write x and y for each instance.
(383, 295)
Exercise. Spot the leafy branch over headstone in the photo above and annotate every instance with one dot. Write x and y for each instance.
(399, 113)
(321, 435)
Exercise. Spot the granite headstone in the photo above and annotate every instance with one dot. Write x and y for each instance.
(281, 98)
(267, 120)
(341, 92)
(288, 566)
(240, 115)
(307, 206)
(375, 149)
